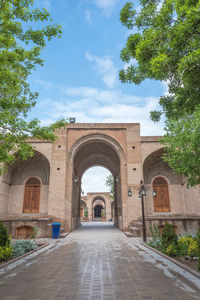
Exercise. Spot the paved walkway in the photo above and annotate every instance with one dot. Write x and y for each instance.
(96, 262)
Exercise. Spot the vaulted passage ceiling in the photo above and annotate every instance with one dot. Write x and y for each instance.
(96, 153)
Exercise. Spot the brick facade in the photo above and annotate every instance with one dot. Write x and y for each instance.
(120, 148)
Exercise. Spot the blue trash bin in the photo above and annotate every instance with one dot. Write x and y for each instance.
(56, 230)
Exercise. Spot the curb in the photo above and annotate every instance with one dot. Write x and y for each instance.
(22, 256)
(186, 268)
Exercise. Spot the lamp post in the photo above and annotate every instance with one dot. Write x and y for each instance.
(141, 194)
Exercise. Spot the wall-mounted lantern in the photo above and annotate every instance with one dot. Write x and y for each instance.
(129, 192)
(76, 179)
(143, 190)
(117, 179)
(154, 193)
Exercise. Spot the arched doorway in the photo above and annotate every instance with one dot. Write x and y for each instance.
(32, 196)
(99, 208)
(90, 153)
(161, 195)
(98, 211)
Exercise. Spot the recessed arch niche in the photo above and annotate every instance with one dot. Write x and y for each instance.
(154, 165)
(37, 165)
(17, 178)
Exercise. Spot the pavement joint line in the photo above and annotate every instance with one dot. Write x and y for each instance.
(186, 268)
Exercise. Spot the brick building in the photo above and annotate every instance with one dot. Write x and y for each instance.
(47, 187)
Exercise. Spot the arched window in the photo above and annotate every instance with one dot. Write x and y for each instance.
(161, 197)
(32, 196)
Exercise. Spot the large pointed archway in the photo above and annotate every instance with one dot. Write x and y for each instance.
(96, 150)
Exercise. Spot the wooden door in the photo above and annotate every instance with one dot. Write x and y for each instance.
(161, 200)
(32, 196)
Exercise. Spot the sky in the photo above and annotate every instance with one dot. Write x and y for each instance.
(80, 73)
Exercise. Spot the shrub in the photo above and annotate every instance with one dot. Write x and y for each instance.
(21, 247)
(172, 250)
(154, 232)
(184, 244)
(193, 249)
(5, 246)
(169, 237)
(156, 243)
(198, 243)
(4, 238)
(6, 251)
(35, 231)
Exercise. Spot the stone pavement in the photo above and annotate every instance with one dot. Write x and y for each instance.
(96, 262)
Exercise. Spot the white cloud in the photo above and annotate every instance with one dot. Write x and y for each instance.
(132, 61)
(105, 67)
(45, 84)
(88, 16)
(166, 88)
(94, 179)
(103, 106)
(106, 5)
(44, 3)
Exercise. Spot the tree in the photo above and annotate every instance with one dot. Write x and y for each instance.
(182, 142)
(20, 48)
(165, 46)
(110, 184)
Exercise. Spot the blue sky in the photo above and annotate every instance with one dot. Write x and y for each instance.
(80, 74)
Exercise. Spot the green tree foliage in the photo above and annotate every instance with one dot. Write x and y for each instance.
(165, 45)
(22, 38)
(182, 142)
(110, 184)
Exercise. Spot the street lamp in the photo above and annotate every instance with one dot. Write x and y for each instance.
(129, 193)
(141, 194)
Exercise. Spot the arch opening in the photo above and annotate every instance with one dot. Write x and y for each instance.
(99, 208)
(98, 211)
(89, 154)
